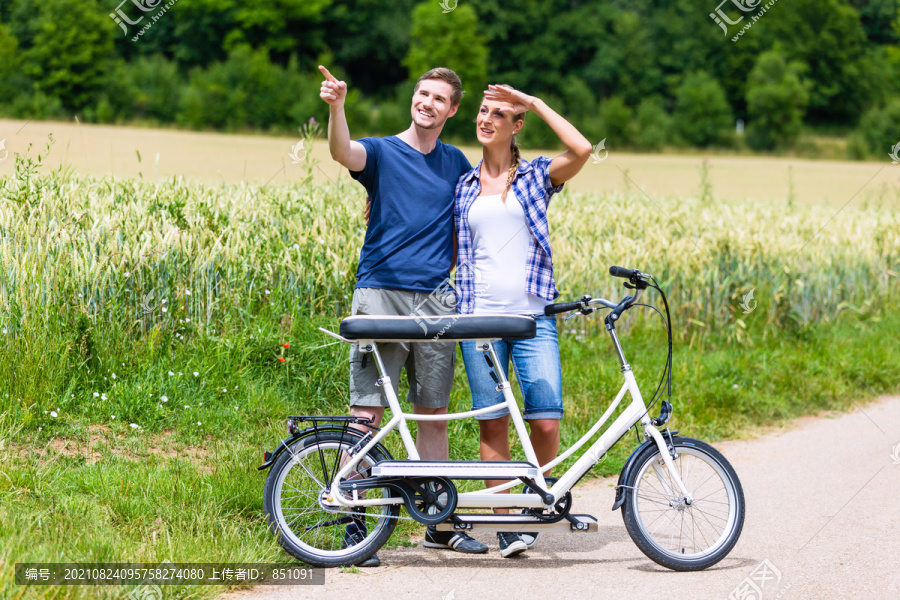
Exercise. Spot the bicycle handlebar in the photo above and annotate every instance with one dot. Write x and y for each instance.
(623, 272)
(633, 275)
(555, 309)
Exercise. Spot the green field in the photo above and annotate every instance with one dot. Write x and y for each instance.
(166, 303)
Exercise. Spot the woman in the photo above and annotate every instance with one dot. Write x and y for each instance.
(501, 222)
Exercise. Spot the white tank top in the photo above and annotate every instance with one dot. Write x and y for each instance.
(501, 239)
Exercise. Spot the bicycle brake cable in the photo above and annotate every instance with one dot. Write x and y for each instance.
(667, 369)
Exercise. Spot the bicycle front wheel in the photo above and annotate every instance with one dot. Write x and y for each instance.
(671, 532)
(316, 533)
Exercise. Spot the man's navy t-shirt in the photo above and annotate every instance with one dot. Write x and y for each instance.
(409, 240)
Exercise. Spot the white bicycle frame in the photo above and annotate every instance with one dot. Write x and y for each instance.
(635, 412)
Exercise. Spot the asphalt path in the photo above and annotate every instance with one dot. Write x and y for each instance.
(823, 521)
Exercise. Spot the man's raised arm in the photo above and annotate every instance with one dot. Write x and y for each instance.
(344, 150)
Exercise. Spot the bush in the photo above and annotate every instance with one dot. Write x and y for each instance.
(158, 86)
(654, 125)
(244, 91)
(702, 114)
(618, 122)
(776, 101)
(878, 132)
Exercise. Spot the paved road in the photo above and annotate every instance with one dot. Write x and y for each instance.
(823, 508)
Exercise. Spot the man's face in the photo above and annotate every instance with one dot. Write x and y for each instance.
(431, 104)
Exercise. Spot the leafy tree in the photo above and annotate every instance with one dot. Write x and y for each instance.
(369, 39)
(65, 47)
(205, 31)
(776, 101)
(9, 63)
(877, 18)
(702, 114)
(450, 40)
(827, 36)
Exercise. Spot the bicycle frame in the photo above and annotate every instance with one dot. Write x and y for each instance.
(635, 412)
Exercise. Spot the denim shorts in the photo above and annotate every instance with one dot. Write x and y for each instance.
(537, 366)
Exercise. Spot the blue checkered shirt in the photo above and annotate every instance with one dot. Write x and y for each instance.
(533, 189)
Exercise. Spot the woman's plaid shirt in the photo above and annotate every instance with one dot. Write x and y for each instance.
(533, 189)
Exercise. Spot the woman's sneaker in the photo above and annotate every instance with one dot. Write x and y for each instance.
(530, 539)
(511, 544)
(454, 540)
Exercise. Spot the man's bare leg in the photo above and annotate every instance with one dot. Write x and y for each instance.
(431, 439)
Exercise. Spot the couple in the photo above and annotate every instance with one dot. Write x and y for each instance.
(427, 204)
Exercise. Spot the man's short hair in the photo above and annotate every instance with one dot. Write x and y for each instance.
(445, 74)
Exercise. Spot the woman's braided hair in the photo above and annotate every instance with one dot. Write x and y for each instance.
(516, 158)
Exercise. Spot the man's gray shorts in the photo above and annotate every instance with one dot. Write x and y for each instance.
(429, 365)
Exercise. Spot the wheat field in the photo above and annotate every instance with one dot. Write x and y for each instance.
(214, 158)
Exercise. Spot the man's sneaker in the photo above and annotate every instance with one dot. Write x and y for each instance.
(530, 539)
(510, 544)
(355, 534)
(454, 540)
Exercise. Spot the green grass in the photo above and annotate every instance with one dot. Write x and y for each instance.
(85, 265)
(204, 503)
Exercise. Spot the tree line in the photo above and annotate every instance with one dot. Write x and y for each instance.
(643, 74)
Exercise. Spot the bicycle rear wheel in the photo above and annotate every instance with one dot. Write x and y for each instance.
(317, 534)
(674, 534)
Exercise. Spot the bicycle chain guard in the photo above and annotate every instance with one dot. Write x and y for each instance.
(428, 500)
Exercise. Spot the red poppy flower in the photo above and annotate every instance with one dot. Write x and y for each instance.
(286, 345)
(281, 358)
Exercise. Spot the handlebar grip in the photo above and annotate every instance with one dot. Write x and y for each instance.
(623, 272)
(555, 309)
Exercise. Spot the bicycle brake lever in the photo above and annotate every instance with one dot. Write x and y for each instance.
(578, 313)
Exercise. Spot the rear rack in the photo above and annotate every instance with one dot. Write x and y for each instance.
(345, 420)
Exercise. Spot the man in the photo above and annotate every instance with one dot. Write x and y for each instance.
(405, 260)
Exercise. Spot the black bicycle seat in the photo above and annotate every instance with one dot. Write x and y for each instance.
(424, 328)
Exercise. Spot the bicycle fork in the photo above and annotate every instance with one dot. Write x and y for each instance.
(667, 456)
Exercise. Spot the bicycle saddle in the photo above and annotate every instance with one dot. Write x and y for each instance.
(459, 327)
